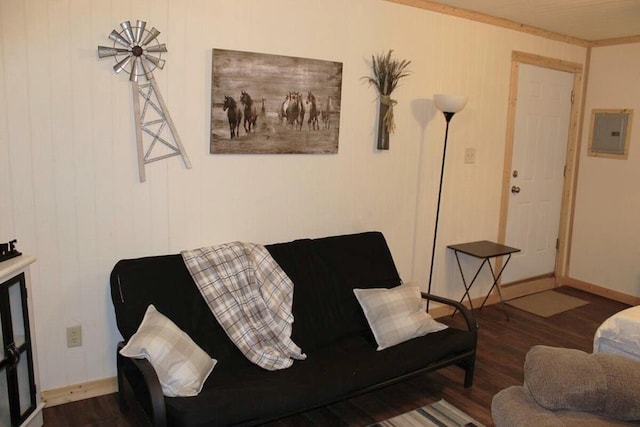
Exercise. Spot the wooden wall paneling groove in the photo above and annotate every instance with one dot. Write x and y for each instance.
(64, 101)
(183, 229)
(7, 221)
(18, 119)
(102, 138)
(110, 97)
(40, 117)
(84, 146)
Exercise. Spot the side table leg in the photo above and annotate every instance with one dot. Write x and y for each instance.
(464, 282)
(497, 286)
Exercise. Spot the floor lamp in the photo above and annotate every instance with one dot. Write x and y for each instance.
(449, 105)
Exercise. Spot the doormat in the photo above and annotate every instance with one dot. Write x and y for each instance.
(547, 303)
(440, 413)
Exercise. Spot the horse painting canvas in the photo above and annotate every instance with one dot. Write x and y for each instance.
(280, 100)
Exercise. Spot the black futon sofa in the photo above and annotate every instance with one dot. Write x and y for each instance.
(329, 326)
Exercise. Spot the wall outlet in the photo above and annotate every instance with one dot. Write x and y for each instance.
(470, 155)
(74, 336)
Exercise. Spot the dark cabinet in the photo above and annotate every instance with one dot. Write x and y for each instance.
(19, 399)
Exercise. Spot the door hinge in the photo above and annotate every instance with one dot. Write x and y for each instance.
(557, 244)
(573, 97)
(564, 171)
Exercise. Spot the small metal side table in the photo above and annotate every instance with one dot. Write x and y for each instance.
(484, 250)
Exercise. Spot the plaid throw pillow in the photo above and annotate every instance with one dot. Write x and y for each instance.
(181, 365)
(396, 315)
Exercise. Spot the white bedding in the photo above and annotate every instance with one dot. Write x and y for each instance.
(620, 334)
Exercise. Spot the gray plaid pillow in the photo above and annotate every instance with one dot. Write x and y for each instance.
(396, 315)
(181, 365)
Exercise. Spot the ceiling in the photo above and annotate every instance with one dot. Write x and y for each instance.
(589, 20)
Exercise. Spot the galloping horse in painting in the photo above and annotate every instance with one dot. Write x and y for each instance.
(313, 112)
(282, 112)
(295, 111)
(234, 115)
(250, 111)
(325, 114)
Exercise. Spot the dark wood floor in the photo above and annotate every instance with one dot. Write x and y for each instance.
(502, 346)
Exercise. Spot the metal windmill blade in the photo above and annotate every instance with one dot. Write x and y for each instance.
(133, 51)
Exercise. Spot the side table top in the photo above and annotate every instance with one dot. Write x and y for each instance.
(483, 249)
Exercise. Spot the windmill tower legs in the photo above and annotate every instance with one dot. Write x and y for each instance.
(153, 101)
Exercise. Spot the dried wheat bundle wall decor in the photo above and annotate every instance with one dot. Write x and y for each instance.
(387, 73)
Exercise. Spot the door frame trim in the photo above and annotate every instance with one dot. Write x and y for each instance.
(573, 139)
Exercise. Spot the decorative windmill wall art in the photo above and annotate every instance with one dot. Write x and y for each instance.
(134, 49)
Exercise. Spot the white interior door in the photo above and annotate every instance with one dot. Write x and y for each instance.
(543, 111)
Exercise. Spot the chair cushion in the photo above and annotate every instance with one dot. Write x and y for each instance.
(514, 406)
(561, 378)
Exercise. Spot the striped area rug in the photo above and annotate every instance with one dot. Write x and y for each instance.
(437, 414)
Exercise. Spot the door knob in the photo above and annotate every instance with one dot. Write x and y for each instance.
(515, 189)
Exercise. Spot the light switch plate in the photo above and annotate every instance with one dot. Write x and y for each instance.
(470, 155)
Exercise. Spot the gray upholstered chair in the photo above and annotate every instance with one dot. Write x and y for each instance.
(567, 387)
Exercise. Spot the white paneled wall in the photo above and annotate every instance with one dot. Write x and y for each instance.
(68, 173)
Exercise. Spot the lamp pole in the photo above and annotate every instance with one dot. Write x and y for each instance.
(449, 105)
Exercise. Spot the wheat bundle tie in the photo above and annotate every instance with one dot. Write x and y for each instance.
(388, 115)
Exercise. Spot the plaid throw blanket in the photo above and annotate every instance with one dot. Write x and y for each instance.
(251, 296)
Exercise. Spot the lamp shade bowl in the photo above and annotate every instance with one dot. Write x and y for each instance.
(449, 103)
